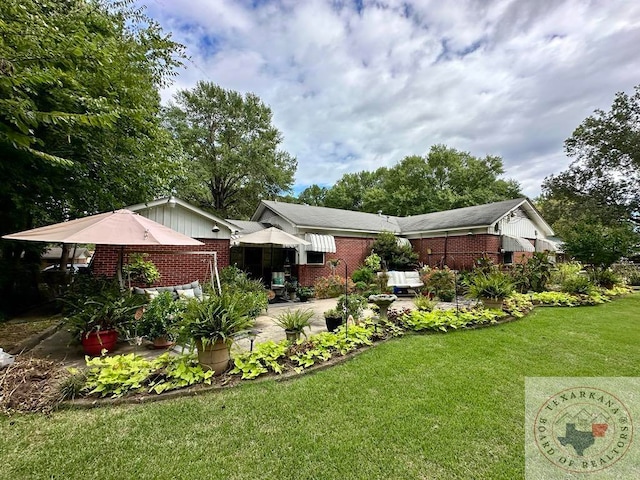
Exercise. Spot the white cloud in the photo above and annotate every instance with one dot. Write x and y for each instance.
(353, 90)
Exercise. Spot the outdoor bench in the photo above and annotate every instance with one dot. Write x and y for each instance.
(404, 280)
(188, 290)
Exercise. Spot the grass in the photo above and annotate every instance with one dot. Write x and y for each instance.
(12, 333)
(434, 406)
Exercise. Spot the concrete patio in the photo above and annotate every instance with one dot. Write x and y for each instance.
(61, 346)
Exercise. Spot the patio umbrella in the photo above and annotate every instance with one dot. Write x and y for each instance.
(272, 236)
(120, 227)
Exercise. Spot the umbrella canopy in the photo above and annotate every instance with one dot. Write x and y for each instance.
(121, 227)
(272, 236)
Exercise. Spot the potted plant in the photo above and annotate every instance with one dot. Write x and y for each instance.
(294, 322)
(160, 318)
(333, 319)
(491, 288)
(140, 270)
(304, 293)
(355, 305)
(213, 323)
(291, 286)
(99, 319)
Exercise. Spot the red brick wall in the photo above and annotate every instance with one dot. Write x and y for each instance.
(353, 251)
(462, 250)
(175, 269)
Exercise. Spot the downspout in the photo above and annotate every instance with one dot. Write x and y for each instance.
(444, 258)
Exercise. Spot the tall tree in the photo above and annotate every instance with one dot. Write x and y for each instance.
(595, 203)
(351, 190)
(80, 130)
(444, 179)
(313, 195)
(232, 147)
(604, 176)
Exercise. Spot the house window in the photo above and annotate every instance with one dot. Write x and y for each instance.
(507, 257)
(315, 258)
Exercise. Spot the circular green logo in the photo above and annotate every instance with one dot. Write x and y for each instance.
(583, 429)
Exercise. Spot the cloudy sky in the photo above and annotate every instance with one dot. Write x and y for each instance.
(359, 84)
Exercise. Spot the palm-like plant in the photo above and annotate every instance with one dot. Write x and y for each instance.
(295, 320)
(494, 285)
(217, 318)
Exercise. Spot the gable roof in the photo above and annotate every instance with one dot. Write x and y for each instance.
(306, 216)
(329, 218)
(158, 202)
(466, 217)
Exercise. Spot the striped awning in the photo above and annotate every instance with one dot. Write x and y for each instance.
(543, 245)
(516, 244)
(320, 243)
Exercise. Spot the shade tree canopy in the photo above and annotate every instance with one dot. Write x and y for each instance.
(595, 203)
(443, 179)
(232, 150)
(80, 130)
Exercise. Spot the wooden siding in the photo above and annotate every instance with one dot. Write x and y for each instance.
(186, 222)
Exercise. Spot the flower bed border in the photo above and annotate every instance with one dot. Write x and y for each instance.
(227, 381)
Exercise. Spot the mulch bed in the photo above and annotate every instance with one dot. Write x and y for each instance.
(31, 385)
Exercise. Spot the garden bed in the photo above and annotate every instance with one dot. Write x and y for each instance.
(283, 361)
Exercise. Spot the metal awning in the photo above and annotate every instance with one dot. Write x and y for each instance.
(516, 244)
(543, 245)
(321, 243)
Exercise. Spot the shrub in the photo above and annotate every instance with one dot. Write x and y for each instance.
(332, 286)
(424, 303)
(373, 262)
(578, 285)
(355, 305)
(605, 278)
(160, 316)
(364, 275)
(534, 274)
(140, 270)
(235, 281)
(495, 285)
(394, 255)
(439, 282)
(564, 271)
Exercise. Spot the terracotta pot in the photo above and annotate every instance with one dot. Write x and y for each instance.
(214, 356)
(162, 342)
(94, 342)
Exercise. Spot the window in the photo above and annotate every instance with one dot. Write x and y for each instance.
(315, 258)
(507, 257)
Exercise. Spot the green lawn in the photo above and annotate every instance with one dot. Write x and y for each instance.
(432, 406)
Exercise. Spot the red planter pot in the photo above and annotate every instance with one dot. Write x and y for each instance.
(94, 342)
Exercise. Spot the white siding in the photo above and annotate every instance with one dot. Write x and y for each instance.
(520, 226)
(185, 221)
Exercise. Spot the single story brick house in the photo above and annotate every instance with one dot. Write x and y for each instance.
(506, 232)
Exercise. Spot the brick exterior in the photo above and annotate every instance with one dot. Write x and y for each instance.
(461, 250)
(353, 251)
(175, 269)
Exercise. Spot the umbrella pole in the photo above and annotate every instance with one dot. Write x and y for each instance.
(119, 268)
